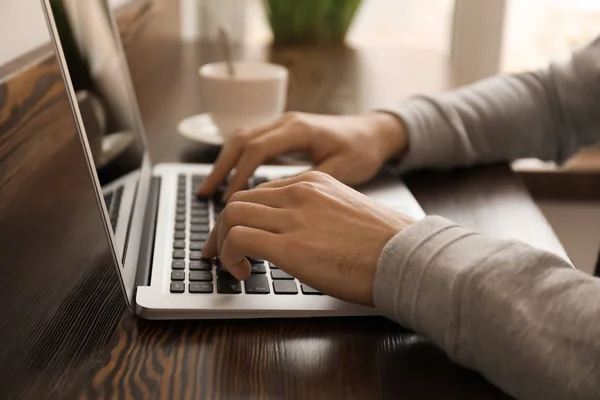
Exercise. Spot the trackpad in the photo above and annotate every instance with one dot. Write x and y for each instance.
(392, 192)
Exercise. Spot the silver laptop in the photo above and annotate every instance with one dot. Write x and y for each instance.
(155, 225)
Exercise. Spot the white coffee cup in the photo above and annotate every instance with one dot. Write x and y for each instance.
(254, 96)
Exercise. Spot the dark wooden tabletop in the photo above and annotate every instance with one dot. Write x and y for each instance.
(64, 331)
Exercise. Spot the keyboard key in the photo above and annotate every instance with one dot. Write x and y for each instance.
(178, 254)
(180, 226)
(179, 235)
(285, 287)
(224, 274)
(229, 286)
(200, 213)
(258, 269)
(257, 284)
(114, 212)
(200, 276)
(177, 287)
(178, 264)
(202, 265)
(180, 210)
(180, 218)
(199, 205)
(308, 290)
(203, 237)
(199, 228)
(180, 202)
(259, 180)
(108, 200)
(273, 266)
(196, 245)
(198, 178)
(201, 287)
(255, 260)
(179, 244)
(196, 255)
(279, 274)
(177, 275)
(199, 220)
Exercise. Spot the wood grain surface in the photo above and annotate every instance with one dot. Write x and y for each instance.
(63, 327)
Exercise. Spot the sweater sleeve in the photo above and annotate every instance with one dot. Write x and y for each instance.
(548, 114)
(523, 318)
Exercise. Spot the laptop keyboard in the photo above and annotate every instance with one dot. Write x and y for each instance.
(192, 273)
(112, 200)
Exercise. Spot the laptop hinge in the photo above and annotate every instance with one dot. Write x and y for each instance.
(144, 270)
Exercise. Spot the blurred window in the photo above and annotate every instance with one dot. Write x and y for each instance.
(412, 23)
(537, 31)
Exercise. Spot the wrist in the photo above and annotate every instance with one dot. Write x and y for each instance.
(390, 133)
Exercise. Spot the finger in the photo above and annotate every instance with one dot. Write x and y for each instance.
(267, 197)
(242, 242)
(246, 211)
(280, 141)
(229, 156)
(224, 164)
(335, 167)
(307, 176)
(253, 216)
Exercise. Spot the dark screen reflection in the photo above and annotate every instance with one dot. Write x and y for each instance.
(101, 83)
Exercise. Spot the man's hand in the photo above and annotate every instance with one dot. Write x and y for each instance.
(322, 232)
(352, 149)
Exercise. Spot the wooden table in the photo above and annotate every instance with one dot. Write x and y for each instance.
(64, 331)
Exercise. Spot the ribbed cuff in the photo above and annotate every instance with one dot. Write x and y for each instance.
(418, 268)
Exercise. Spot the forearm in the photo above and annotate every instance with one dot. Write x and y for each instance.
(548, 114)
(523, 318)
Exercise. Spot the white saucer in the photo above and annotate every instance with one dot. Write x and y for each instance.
(200, 128)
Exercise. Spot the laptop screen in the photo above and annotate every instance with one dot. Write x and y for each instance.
(104, 94)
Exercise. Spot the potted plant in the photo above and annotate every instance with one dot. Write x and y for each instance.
(310, 22)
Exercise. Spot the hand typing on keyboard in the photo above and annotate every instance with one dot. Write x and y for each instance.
(313, 227)
(352, 149)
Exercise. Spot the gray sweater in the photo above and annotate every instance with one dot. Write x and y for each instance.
(522, 317)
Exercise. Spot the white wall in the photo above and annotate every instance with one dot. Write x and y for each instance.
(23, 28)
(477, 39)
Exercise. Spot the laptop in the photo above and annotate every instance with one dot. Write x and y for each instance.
(155, 225)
